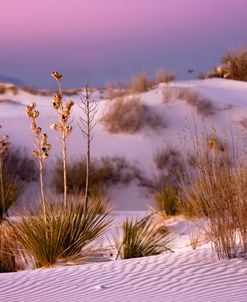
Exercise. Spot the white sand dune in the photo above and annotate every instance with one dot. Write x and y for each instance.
(183, 276)
(180, 276)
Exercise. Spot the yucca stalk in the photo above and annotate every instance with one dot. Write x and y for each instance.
(89, 110)
(41, 147)
(64, 111)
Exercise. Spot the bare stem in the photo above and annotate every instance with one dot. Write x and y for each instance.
(64, 147)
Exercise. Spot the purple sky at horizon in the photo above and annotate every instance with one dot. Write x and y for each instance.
(100, 40)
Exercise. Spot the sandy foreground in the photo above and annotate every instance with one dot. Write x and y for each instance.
(180, 276)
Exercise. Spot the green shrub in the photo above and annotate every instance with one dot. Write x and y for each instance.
(141, 238)
(167, 201)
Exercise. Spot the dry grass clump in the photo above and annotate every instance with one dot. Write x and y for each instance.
(2, 89)
(141, 238)
(115, 90)
(234, 66)
(12, 258)
(104, 172)
(218, 192)
(163, 76)
(11, 102)
(140, 82)
(130, 116)
(204, 106)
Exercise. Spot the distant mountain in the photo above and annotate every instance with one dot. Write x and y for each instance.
(4, 79)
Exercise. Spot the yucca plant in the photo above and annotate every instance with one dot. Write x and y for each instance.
(61, 233)
(42, 236)
(142, 238)
(85, 227)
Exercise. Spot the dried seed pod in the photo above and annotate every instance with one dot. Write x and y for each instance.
(57, 76)
(45, 155)
(35, 114)
(54, 127)
(36, 153)
(38, 130)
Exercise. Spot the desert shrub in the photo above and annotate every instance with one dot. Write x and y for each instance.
(2, 89)
(115, 90)
(140, 82)
(142, 238)
(218, 193)
(167, 201)
(235, 65)
(201, 76)
(130, 116)
(18, 163)
(163, 76)
(60, 234)
(204, 106)
(169, 167)
(104, 172)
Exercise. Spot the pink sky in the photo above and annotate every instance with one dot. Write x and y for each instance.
(104, 39)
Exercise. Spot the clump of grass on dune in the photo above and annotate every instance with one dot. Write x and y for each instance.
(163, 76)
(130, 116)
(141, 238)
(61, 233)
(140, 82)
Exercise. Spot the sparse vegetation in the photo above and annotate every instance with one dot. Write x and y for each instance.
(140, 82)
(130, 116)
(203, 105)
(141, 238)
(104, 172)
(234, 66)
(167, 202)
(163, 76)
(218, 193)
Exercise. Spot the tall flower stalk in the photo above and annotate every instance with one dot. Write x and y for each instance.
(63, 110)
(41, 147)
(87, 123)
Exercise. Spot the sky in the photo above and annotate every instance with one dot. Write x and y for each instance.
(96, 41)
